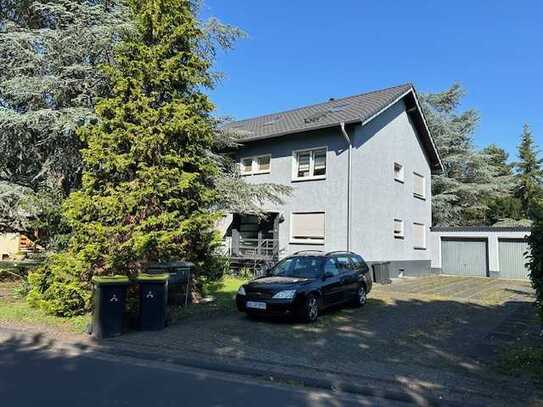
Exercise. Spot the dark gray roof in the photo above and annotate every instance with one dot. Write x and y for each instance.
(348, 110)
(480, 229)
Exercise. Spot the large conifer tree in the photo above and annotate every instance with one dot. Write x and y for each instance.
(529, 175)
(50, 51)
(150, 173)
(461, 194)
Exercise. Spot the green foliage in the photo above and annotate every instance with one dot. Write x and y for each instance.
(471, 179)
(149, 185)
(535, 258)
(49, 82)
(529, 175)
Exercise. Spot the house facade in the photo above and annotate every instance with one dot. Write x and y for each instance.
(360, 171)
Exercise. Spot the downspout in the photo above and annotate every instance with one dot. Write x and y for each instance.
(349, 170)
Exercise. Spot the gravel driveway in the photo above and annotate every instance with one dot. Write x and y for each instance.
(431, 333)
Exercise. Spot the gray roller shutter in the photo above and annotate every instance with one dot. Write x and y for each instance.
(512, 260)
(464, 257)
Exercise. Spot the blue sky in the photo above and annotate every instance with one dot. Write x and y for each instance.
(300, 52)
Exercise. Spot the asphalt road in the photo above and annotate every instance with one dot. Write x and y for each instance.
(37, 374)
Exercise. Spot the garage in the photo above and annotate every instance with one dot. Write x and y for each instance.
(512, 258)
(464, 257)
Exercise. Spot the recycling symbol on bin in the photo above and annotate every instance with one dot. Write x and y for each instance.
(150, 295)
(114, 299)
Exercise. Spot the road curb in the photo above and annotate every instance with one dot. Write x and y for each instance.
(334, 385)
(322, 383)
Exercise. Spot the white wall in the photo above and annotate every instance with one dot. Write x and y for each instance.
(9, 244)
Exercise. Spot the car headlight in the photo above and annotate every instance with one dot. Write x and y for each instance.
(241, 291)
(285, 295)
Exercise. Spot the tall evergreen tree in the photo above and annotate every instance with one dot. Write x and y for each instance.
(459, 194)
(50, 51)
(529, 173)
(149, 184)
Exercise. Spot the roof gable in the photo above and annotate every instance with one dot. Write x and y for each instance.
(353, 109)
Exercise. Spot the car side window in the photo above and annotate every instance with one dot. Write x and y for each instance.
(331, 267)
(344, 264)
(360, 264)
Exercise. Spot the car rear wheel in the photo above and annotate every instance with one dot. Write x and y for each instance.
(361, 297)
(310, 311)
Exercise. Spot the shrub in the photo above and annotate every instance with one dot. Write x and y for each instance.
(535, 259)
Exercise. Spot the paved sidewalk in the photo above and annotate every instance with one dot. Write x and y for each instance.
(425, 337)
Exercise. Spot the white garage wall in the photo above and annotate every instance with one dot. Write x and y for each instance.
(491, 234)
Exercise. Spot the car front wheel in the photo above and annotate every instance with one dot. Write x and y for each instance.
(310, 311)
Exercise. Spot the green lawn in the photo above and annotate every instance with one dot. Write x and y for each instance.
(14, 311)
(222, 292)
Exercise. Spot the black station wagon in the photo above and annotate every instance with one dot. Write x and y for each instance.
(304, 284)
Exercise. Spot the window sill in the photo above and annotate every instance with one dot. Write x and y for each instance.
(314, 178)
(255, 173)
(422, 198)
(307, 242)
(419, 248)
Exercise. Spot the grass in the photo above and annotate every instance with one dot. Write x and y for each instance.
(15, 311)
(523, 360)
(222, 292)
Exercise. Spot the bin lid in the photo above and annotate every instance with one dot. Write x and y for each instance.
(103, 280)
(153, 277)
(170, 265)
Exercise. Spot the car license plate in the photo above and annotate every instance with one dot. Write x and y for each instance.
(256, 305)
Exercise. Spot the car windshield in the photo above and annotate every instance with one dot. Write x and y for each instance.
(302, 267)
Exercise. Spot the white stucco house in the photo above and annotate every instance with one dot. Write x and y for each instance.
(360, 168)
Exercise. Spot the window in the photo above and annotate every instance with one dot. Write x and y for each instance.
(309, 164)
(307, 227)
(419, 235)
(398, 172)
(256, 165)
(247, 166)
(331, 268)
(344, 264)
(398, 229)
(419, 189)
(263, 164)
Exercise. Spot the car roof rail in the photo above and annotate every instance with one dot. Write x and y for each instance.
(339, 252)
(308, 252)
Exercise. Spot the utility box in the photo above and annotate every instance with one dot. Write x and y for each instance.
(179, 281)
(109, 306)
(153, 296)
(381, 273)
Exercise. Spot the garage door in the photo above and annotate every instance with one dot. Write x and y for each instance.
(464, 257)
(512, 260)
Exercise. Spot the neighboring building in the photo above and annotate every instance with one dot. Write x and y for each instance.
(15, 245)
(361, 171)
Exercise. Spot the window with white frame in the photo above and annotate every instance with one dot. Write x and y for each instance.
(307, 227)
(256, 165)
(398, 229)
(419, 188)
(419, 235)
(398, 172)
(309, 164)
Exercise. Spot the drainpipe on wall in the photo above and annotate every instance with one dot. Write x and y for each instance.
(348, 139)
